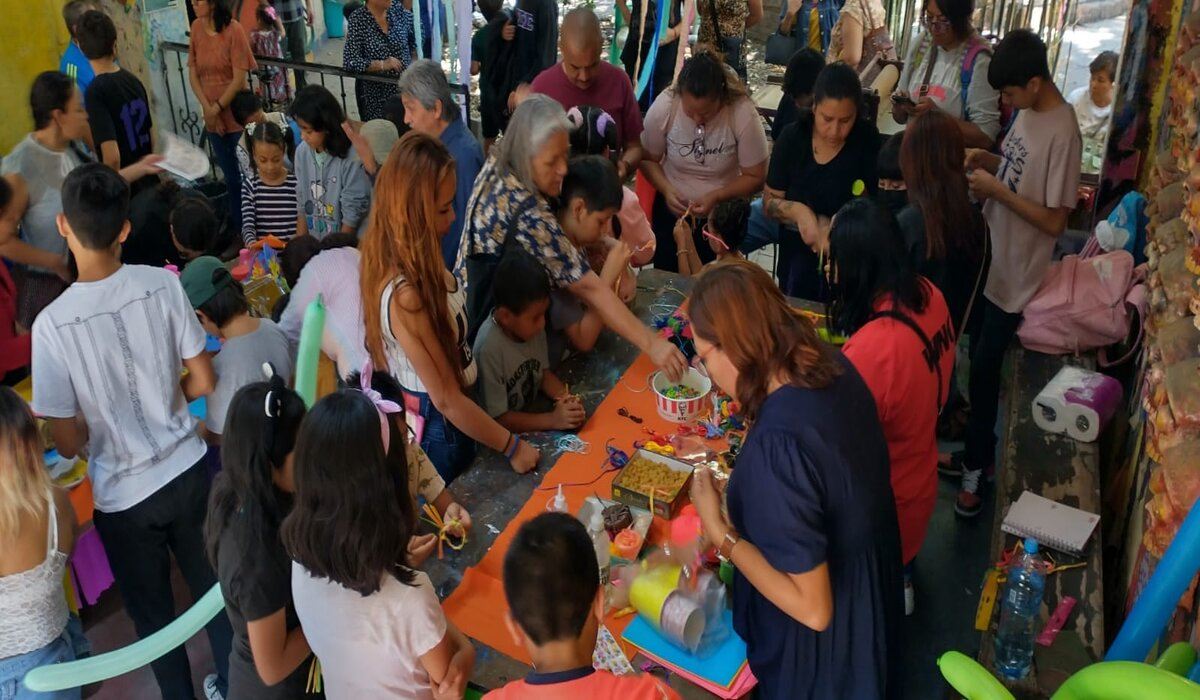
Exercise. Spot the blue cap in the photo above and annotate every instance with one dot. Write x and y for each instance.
(1031, 545)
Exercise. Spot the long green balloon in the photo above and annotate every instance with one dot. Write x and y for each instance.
(1126, 680)
(970, 679)
(72, 674)
(309, 353)
(1178, 658)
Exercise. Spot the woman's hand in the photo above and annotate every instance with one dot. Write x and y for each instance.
(419, 549)
(62, 270)
(148, 165)
(704, 205)
(509, 32)
(707, 500)
(901, 107)
(526, 458)
(212, 116)
(674, 202)
(806, 221)
(455, 511)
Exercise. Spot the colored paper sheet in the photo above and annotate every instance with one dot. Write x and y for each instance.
(720, 666)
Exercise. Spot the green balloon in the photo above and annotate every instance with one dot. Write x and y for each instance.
(72, 674)
(309, 353)
(1178, 658)
(970, 679)
(1126, 680)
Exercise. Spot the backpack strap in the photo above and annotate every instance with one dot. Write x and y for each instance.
(906, 320)
(975, 46)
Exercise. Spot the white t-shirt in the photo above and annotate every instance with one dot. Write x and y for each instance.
(399, 365)
(1093, 120)
(945, 83)
(370, 647)
(112, 351)
(334, 274)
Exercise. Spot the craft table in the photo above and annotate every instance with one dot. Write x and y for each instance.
(493, 493)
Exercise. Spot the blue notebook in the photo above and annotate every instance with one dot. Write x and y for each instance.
(719, 666)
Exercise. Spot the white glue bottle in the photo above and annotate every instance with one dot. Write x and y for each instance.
(558, 504)
(601, 543)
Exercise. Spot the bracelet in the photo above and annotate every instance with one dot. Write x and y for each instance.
(507, 443)
(512, 450)
(681, 252)
(731, 540)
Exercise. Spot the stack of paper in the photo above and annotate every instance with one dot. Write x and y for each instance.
(722, 671)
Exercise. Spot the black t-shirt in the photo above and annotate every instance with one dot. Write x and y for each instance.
(256, 581)
(958, 276)
(824, 188)
(149, 241)
(119, 110)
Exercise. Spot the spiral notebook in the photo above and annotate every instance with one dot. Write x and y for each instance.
(1052, 524)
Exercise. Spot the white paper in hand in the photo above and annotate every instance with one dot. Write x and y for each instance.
(182, 158)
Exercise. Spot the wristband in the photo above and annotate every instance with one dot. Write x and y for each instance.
(681, 252)
(725, 549)
(512, 450)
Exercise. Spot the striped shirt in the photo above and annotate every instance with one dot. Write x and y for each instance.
(268, 210)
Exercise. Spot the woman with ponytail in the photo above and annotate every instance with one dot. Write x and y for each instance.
(413, 308)
(250, 498)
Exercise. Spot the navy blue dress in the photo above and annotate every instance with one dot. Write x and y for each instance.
(812, 486)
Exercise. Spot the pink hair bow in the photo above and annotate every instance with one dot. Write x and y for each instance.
(383, 406)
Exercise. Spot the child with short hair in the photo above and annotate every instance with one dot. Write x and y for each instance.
(107, 359)
(247, 342)
(251, 496)
(372, 619)
(267, 41)
(551, 558)
(1093, 102)
(333, 191)
(892, 193)
(724, 232)
(491, 49)
(1030, 191)
(512, 354)
(195, 229)
(269, 195)
(590, 198)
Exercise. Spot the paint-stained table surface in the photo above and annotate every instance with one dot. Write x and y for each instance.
(1063, 470)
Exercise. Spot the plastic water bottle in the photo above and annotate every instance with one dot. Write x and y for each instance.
(1019, 614)
(601, 543)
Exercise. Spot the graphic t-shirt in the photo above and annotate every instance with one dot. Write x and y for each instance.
(112, 351)
(1040, 160)
(903, 375)
(609, 90)
(119, 110)
(510, 372)
(699, 160)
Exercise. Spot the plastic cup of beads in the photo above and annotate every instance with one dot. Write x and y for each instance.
(682, 401)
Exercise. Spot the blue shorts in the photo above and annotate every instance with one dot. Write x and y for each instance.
(14, 668)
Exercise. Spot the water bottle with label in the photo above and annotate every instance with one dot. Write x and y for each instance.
(1019, 609)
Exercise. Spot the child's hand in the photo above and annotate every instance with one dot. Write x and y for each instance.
(455, 511)
(509, 32)
(683, 231)
(526, 458)
(419, 549)
(983, 184)
(568, 413)
(618, 255)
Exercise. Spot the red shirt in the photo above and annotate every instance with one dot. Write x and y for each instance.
(610, 90)
(14, 349)
(581, 683)
(903, 378)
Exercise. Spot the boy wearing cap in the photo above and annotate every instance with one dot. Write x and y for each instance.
(107, 358)
(246, 342)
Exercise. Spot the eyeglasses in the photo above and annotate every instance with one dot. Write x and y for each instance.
(702, 356)
(707, 233)
(939, 24)
(700, 147)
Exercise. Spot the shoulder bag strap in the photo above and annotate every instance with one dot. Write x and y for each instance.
(929, 66)
(515, 221)
(907, 320)
(712, 15)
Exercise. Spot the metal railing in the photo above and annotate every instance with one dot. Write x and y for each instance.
(186, 115)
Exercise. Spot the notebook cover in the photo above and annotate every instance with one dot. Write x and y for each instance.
(1052, 524)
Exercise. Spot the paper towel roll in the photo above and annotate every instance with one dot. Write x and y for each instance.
(1077, 403)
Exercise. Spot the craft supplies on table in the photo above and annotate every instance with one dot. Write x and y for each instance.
(653, 482)
(681, 401)
(721, 670)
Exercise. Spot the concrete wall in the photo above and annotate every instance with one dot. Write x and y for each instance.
(32, 39)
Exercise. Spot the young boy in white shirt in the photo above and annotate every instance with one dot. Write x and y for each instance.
(107, 360)
(1030, 191)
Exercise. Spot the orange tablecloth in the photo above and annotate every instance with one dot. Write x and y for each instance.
(478, 606)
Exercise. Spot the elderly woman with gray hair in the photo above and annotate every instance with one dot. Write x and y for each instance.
(429, 108)
(511, 205)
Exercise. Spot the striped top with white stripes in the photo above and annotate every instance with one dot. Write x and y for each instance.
(268, 209)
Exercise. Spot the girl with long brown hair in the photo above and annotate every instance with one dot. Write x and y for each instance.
(943, 230)
(413, 308)
(37, 532)
(812, 523)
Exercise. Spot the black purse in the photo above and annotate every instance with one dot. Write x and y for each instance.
(781, 47)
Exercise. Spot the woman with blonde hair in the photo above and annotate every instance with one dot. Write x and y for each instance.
(811, 526)
(414, 309)
(37, 532)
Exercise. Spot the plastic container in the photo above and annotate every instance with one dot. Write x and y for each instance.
(600, 543)
(681, 410)
(1019, 610)
(335, 22)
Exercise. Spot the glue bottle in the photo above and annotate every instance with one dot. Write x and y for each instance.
(558, 504)
(601, 544)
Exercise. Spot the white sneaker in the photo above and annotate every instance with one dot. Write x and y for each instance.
(210, 688)
(910, 598)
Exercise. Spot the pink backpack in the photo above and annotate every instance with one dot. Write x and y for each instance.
(1084, 304)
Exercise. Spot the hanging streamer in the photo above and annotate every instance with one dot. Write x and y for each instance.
(462, 14)
(451, 33)
(637, 65)
(435, 30)
(417, 34)
(652, 56)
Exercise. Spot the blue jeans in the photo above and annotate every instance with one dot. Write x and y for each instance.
(14, 668)
(761, 231)
(225, 149)
(450, 450)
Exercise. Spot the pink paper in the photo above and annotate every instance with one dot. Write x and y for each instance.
(742, 684)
